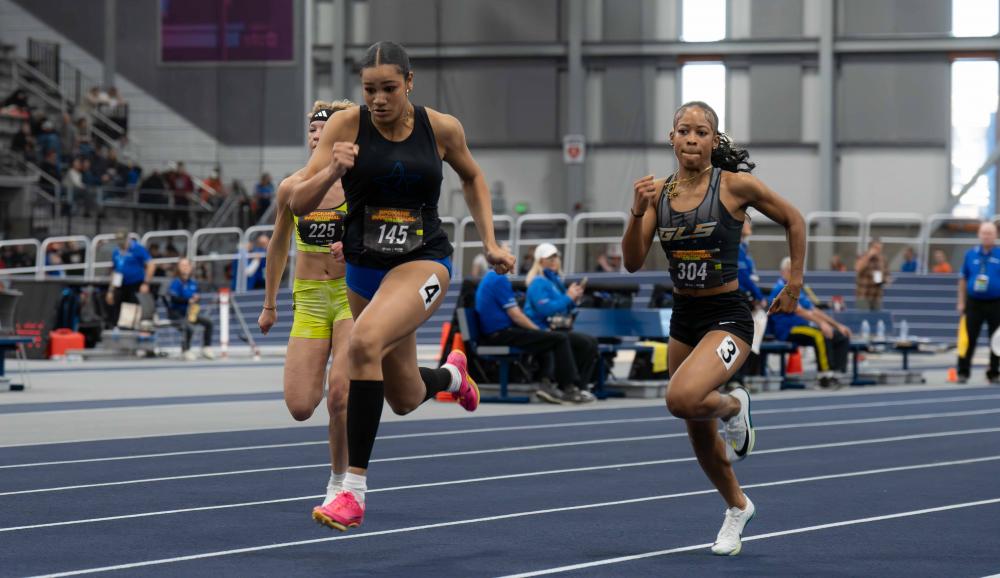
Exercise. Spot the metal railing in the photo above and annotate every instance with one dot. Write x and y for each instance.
(941, 231)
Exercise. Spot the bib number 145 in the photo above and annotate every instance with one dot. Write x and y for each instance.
(392, 234)
(692, 271)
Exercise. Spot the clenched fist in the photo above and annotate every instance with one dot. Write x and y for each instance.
(344, 154)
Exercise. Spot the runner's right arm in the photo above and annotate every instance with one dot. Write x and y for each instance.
(277, 255)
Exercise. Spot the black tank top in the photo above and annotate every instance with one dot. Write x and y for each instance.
(392, 195)
(702, 244)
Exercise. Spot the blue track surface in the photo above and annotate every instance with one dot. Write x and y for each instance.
(527, 493)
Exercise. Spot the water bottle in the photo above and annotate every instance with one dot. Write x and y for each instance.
(866, 330)
(880, 330)
(904, 330)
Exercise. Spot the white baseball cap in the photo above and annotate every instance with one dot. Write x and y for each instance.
(545, 250)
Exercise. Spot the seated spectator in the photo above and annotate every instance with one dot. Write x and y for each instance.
(48, 139)
(611, 260)
(69, 137)
(23, 142)
(213, 191)
(94, 99)
(812, 327)
(50, 166)
(479, 267)
(941, 264)
(263, 192)
(133, 174)
(526, 263)
(185, 308)
(550, 305)
(909, 261)
(16, 103)
(152, 190)
(503, 323)
(836, 264)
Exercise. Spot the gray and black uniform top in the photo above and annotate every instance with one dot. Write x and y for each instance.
(392, 195)
(702, 244)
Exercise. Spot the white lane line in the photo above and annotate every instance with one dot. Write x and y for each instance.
(921, 436)
(914, 401)
(500, 429)
(496, 478)
(766, 536)
(515, 515)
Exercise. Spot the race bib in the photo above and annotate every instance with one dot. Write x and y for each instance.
(393, 231)
(695, 268)
(981, 284)
(322, 228)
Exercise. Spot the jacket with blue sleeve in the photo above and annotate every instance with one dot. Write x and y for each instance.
(547, 297)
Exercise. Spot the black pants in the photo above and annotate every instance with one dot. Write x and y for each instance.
(188, 329)
(977, 311)
(575, 353)
(831, 354)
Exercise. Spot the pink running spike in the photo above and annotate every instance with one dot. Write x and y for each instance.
(342, 513)
(468, 392)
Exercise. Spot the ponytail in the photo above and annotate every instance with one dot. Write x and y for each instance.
(730, 158)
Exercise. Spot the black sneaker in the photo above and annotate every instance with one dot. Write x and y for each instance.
(993, 378)
(963, 379)
(549, 393)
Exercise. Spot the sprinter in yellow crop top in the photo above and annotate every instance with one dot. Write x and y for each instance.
(322, 320)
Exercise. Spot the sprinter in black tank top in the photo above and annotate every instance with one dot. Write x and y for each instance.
(389, 155)
(697, 214)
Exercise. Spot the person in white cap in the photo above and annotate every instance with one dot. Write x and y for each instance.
(550, 304)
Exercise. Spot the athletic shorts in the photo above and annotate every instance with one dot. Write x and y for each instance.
(365, 281)
(693, 317)
(317, 305)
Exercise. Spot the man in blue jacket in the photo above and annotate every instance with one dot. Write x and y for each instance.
(133, 270)
(979, 298)
(185, 307)
(502, 322)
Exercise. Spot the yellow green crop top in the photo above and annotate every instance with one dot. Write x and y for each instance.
(315, 232)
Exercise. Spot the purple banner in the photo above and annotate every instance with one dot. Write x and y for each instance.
(226, 30)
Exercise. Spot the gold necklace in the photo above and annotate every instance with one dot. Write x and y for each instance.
(670, 187)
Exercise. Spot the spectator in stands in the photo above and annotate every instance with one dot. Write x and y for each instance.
(18, 103)
(185, 308)
(526, 262)
(502, 322)
(746, 272)
(550, 304)
(479, 267)
(23, 142)
(50, 166)
(132, 273)
(94, 100)
(979, 298)
(836, 264)
(262, 194)
(152, 190)
(48, 139)
(114, 99)
(182, 185)
(610, 261)
(941, 264)
(872, 275)
(909, 261)
(69, 137)
(155, 253)
(133, 173)
(213, 191)
(812, 327)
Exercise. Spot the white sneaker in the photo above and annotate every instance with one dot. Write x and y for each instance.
(728, 543)
(738, 431)
(207, 353)
(189, 355)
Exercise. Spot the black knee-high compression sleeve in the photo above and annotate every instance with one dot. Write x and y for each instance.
(435, 380)
(364, 412)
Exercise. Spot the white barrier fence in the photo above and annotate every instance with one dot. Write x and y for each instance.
(827, 233)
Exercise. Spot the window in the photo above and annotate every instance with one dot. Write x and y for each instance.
(706, 81)
(703, 20)
(974, 17)
(973, 134)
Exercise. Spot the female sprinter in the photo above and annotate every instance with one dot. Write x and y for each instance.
(698, 213)
(389, 155)
(322, 318)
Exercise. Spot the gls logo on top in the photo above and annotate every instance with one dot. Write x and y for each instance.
(701, 231)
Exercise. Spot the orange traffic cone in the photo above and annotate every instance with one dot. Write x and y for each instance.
(952, 375)
(445, 329)
(794, 363)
